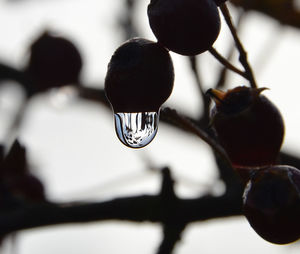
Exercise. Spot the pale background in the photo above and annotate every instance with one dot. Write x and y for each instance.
(73, 147)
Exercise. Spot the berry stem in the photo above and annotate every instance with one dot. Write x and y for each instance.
(226, 63)
(191, 127)
(196, 74)
(224, 71)
(243, 54)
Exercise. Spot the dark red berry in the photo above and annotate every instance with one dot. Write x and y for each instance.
(219, 2)
(187, 27)
(54, 62)
(140, 76)
(248, 126)
(271, 203)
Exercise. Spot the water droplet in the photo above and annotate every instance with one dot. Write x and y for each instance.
(136, 130)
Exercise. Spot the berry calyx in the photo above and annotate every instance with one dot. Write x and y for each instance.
(187, 27)
(140, 76)
(271, 203)
(248, 126)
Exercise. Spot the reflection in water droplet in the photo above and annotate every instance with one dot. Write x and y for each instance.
(136, 130)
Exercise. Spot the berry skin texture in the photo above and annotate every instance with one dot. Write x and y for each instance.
(248, 126)
(271, 203)
(187, 27)
(140, 77)
(54, 62)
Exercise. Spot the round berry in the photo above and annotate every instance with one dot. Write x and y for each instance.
(248, 126)
(54, 62)
(187, 27)
(140, 76)
(271, 203)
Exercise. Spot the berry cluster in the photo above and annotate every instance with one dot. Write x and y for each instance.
(247, 124)
(250, 129)
(140, 73)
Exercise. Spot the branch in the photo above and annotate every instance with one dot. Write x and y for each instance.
(226, 63)
(285, 12)
(206, 101)
(243, 54)
(224, 71)
(172, 234)
(144, 208)
(186, 124)
(93, 94)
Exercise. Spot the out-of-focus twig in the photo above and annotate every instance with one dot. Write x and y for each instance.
(126, 21)
(171, 235)
(92, 94)
(285, 12)
(194, 67)
(194, 61)
(160, 208)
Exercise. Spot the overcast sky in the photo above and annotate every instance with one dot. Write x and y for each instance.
(74, 149)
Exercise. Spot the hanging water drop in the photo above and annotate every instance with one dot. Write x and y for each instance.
(139, 79)
(136, 130)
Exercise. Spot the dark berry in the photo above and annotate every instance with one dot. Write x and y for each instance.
(187, 27)
(220, 2)
(140, 76)
(271, 203)
(54, 62)
(248, 126)
(16, 178)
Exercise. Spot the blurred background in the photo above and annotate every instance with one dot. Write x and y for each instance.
(71, 142)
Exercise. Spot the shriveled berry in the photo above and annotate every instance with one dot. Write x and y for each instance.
(140, 77)
(54, 62)
(271, 203)
(187, 27)
(248, 126)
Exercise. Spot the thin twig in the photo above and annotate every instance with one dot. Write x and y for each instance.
(194, 67)
(224, 71)
(205, 99)
(226, 63)
(126, 21)
(285, 12)
(191, 127)
(243, 54)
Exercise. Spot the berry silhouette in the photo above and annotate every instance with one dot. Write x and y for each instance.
(271, 203)
(17, 179)
(187, 27)
(54, 62)
(248, 126)
(219, 2)
(140, 77)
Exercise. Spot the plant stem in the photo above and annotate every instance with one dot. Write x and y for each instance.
(226, 63)
(186, 124)
(243, 54)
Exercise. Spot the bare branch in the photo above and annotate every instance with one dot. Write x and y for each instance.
(186, 124)
(172, 234)
(226, 63)
(243, 54)
(144, 208)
